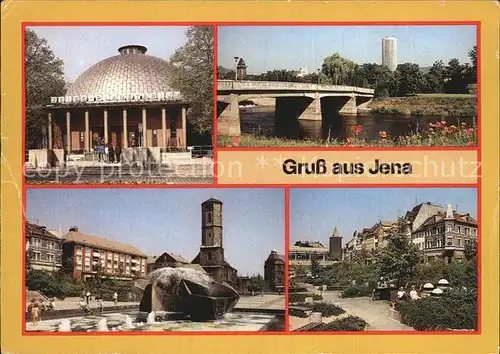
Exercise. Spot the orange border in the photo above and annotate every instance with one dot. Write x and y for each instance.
(285, 187)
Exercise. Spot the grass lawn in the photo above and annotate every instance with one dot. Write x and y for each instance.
(445, 95)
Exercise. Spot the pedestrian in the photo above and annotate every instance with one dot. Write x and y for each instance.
(101, 306)
(115, 298)
(35, 314)
(106, 153)
(262, 293)
(413, 293)
(88, 297)
(402, 294)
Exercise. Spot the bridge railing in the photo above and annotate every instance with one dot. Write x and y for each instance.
(231, 85)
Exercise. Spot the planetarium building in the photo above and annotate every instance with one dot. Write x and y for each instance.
(124, 100)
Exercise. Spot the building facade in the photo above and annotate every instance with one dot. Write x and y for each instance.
(438, 234)
(274, 271)
(117, 260)
(44, 249)
(125, 100)
(389, 53)
(302, 253)
(166, 259)
(446, 234)
(416, 217)
(211, 256)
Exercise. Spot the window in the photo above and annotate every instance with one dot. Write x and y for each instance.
(37, 256)
(209, 256)
(448, 228)
(209, 217)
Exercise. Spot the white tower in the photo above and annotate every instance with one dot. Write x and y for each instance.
(449, 212)
(389, 53)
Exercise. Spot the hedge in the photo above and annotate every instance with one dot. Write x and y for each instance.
(454, 310)
(356, 291)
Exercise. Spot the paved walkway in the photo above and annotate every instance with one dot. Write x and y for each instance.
(72, 303)
(268, 301)
(376, 313)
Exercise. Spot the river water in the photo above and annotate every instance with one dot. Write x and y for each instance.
(260, 120)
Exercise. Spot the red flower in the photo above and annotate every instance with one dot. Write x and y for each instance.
(383, 134)
(356, 129)
(439, 125)
(469, 132)
(470, 143)
(349, 140)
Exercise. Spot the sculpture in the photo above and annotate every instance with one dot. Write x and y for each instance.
(188, 291)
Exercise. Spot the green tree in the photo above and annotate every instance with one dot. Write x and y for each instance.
(471, 250)
(44, 78)
(473, 69)
(434, 79)
(399, 259)
(408, 79)
(315, 266)
(456, 77)
(191, 72)
(337, 70)
(67, 266)
(300, 271)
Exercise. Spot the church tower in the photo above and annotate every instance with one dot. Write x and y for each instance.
(211, 250)
(335, 249)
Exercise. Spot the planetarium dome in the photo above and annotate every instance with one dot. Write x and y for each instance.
(130, 72)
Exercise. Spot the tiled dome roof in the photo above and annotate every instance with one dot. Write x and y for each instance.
(128, 73)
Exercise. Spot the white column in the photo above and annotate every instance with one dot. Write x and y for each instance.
(49, 130)
(184, 142)
(164, 127)
(68, 132)
(105, 125)
(125, 137)
(86, 134)
(144, 128)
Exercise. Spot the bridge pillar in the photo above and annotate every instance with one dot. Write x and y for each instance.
(229, 117)
(349, 107)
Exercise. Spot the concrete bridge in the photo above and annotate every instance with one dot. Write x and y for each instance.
(294, 100)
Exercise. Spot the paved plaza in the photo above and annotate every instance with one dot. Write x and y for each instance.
(375, 313)
(265, 302)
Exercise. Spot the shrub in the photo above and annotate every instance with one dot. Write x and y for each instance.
(297, 313)
(456, 309)
(326, 309)
(356, 291)
(297, 297)
(317, 297)
(350, 323)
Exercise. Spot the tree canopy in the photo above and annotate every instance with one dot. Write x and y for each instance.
(44, 78)
(191, 72)
(400, 257)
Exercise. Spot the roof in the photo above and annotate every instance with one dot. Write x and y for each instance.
(176, 257)
(212, 200)
(312, 244)
(99, 242)
(440, 216)
(416, 209)
(308, 249)
(275, 256)
(130, 72)
(38, 230)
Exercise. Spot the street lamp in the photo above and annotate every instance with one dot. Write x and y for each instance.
(318, 75)
(236, 68)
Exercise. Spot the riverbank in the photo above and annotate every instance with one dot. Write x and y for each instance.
(438, 135)
(426, 104)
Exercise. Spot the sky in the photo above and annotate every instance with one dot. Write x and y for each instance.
(82, 46)
(292, 47)
(314, 212)
(169, 219)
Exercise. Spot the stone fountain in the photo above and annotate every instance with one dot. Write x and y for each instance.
(188, 292)
(102, 325)
(64, 326)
